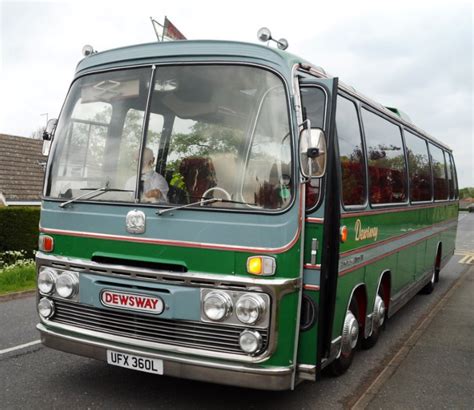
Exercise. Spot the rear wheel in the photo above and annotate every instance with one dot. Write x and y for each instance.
(437, 267)
(350, 339)
(378, 321)
(429, 287)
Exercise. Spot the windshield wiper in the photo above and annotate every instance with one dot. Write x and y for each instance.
(97, 191)
(202, 202)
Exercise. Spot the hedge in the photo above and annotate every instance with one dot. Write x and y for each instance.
(19, 229)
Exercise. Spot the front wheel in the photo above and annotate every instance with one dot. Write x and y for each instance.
(350, 339)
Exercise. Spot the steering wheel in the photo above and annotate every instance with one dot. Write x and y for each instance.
(216, 188)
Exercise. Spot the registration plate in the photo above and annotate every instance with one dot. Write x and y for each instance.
(130, 361)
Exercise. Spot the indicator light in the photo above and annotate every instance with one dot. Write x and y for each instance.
(344, 233)
(261, 265)
(46, 243)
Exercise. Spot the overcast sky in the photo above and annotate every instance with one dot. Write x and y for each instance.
(414, 55)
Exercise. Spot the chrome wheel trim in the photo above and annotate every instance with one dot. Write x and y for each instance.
(379, 311)
(350, 333)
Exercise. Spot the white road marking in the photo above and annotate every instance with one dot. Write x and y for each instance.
(19, 347)
(468, 259)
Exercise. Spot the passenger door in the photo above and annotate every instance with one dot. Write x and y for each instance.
(321, 249)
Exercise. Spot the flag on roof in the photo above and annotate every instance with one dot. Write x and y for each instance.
(170, 31)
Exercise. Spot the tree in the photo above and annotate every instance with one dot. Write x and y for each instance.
(38, 134)
(466, 193)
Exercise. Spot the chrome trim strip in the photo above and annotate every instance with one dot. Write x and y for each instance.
(409, 232)
(274, 378)
(301, 212)
(333, 351)
(312, 267)
(136, 343)
(276, 288)
(374, 253)
(186, 244)
(311, 287)
(411, 207)
(315, 220)
(306, 372)
(145, 125)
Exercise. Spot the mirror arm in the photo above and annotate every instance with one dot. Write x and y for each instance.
(306, 124)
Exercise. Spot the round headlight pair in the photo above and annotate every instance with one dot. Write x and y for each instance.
(66, 284)
(218, 305)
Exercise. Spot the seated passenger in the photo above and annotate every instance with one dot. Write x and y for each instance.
(153, 186)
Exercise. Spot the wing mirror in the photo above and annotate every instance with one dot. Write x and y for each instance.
(312, 151)
(48, 134)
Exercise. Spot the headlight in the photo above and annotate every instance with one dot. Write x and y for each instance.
(67, 284)
(250, 341)
(46, 308)
(46, 280)
(217, 305)
(250, 308)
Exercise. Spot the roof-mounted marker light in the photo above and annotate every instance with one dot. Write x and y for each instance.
(264, 35)
(87, 50)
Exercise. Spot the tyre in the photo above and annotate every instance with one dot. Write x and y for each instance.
(344, 361)
(429, 287)
(380, 311)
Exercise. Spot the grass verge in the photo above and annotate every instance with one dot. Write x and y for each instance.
(17, 277)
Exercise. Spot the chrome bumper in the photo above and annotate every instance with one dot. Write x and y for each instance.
(256, 377)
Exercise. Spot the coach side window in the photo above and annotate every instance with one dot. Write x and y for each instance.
(351, 153)
(455, 176)
(440, 182)
(449, 165)
(386, 160)
(418, 168)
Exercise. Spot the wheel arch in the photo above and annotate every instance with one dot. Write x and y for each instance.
(385, 282)
(438, 258)
(359, 292)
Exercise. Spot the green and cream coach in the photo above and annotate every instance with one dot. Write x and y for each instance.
(228, 212)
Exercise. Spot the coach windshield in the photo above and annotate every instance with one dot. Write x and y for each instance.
(200, 132)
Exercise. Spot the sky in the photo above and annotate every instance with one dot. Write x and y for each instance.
(415, 55)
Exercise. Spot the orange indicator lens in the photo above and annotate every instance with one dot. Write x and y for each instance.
(344, 233)
(255, 265)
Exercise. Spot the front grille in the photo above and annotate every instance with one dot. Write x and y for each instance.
(199, 335)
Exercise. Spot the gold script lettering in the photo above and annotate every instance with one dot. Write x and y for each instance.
(365, 233)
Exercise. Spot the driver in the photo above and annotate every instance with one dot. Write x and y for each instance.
(153, 185)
